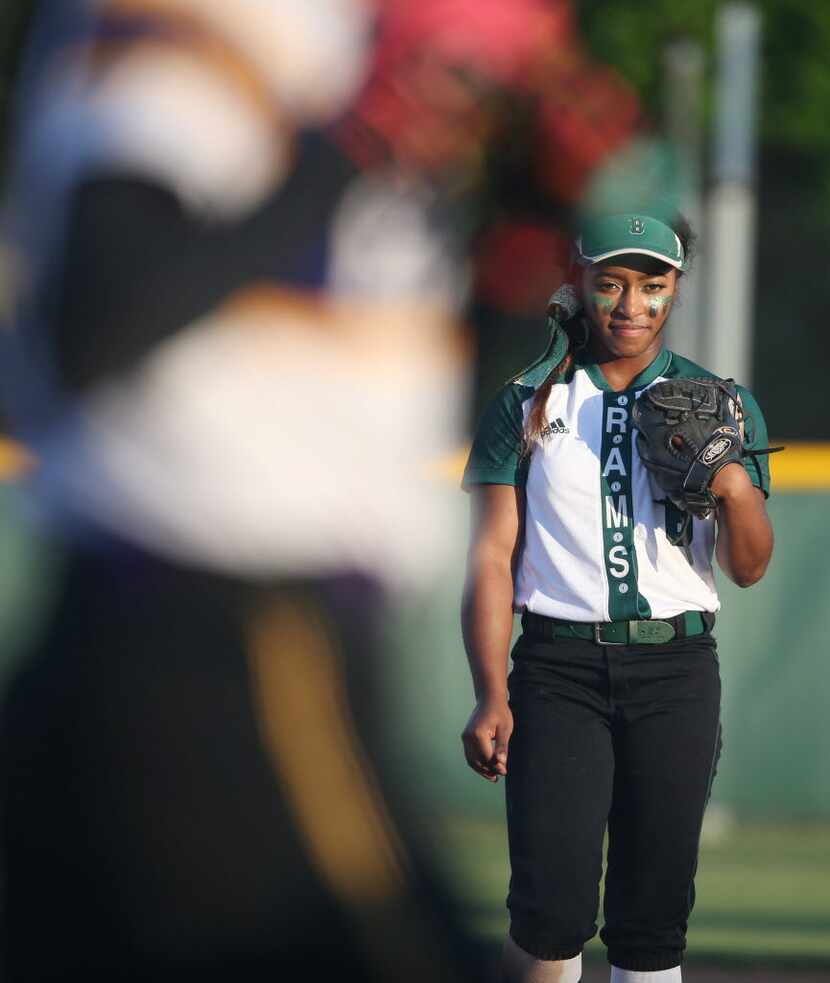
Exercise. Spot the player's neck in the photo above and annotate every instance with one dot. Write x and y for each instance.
(620, 372)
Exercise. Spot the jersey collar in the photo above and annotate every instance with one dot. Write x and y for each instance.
(585, 360)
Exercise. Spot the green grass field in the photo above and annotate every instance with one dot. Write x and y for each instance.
(763, 891)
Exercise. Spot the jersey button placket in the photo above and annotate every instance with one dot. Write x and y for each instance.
(617, 508)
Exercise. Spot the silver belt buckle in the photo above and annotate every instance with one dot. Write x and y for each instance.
(601, 641)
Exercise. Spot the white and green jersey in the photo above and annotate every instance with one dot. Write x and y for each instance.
(596, 545)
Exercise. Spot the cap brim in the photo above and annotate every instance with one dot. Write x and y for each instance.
(628, 251)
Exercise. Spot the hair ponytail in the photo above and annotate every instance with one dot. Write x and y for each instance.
(536, 419)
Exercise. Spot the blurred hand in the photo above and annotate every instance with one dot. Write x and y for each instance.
(486, 736)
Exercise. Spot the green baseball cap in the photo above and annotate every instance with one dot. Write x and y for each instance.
(616, 235)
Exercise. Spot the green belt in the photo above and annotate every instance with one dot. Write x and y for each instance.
(652, 632)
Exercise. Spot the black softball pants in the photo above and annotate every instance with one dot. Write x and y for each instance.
(620, 736)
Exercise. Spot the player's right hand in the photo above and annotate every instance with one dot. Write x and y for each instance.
(486, 737)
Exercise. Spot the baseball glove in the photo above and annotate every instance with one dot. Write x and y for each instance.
(689, 429)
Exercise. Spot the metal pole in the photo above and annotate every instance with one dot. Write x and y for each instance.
(732, 205)
(683, 68)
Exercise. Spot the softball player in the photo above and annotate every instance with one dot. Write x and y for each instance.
(610, 715)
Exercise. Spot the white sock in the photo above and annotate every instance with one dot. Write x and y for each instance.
(637, 976)
(519, 966)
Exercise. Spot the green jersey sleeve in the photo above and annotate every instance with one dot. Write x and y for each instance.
(496, 456)
(755, 437)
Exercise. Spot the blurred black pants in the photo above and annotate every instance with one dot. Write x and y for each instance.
(192, 787)
(619, 734)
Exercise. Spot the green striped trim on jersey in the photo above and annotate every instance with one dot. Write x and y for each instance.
(617, 503)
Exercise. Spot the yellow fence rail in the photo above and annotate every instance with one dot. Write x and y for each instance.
(804, 466)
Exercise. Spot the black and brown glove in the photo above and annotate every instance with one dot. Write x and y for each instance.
(689, 429)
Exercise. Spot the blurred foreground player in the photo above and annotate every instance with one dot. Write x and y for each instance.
(234, 362)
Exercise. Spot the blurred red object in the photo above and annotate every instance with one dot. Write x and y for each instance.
(519, 264)
(588, 112)
(436, 65)
(499, 40)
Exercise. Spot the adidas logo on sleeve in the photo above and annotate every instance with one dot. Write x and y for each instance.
(555, 426)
